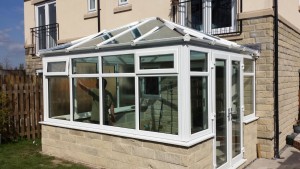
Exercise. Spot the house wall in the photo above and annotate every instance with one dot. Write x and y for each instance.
(112, 152)
(260, 30)
(289, 65)
(113, 15)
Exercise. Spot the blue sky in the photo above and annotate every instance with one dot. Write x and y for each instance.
(12, 32)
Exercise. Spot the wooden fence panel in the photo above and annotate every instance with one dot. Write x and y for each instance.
(25, 94)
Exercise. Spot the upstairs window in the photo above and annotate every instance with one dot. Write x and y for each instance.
(91, 5)
(46, 28)
(213, 17)
(123, 2)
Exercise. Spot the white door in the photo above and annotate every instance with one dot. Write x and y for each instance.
(228, 111)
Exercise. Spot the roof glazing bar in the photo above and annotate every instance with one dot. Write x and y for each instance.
(84, 41)
(122, 33)
(145, 35)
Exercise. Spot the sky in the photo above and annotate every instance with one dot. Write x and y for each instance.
(12, 32)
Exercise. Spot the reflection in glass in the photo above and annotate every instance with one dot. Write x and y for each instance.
(86, 100)
(221, 13)
(56, 66)
(198, 61)
(248, 95)
(221, 118)
(59, 98)
(248, 66)
(157, 61)
(85, 65)
(159, 113)
(119, 101)
(118, 64)
(199, 116)
(195, 15)
(235, 108)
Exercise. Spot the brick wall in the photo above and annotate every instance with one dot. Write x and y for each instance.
(112, 152)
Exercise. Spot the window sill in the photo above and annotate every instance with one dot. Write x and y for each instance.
(250, 120)
(123, 8)
(90, 15)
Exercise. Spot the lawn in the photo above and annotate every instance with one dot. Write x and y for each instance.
(26, 155)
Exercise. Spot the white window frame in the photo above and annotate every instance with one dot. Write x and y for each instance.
(89, 6)
(208, 74)
(207, 17)
(54, 60)
(46, 5)
(124, 2)
(252, 116)
(155, 51)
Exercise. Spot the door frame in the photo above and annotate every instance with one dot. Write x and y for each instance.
(228, 57)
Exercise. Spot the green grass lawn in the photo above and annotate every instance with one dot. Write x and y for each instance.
(26, 155)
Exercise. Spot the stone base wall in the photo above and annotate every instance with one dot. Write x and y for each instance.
(32, 64)
(250, 142)
(112, 152)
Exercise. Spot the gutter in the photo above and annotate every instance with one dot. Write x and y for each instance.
(276, 107)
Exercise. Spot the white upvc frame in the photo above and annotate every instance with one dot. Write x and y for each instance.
(229, 57)
(251, 117)
(123, 2)
(183, 74)
(208, 75)
(55, 60)
(46, 5)
(89, 6)
(157, 51)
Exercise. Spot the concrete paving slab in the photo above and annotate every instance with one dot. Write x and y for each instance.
(289, 159)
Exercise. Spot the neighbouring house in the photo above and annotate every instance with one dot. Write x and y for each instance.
(203, 130)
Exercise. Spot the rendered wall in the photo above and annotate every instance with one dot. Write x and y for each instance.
(112, 152)
(113, 15)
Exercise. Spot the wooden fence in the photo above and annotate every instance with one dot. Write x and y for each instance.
(25, 95)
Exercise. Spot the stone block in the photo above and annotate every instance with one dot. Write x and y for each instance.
(143, 152)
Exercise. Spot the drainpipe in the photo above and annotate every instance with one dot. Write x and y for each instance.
(276, 107)
(98, 14)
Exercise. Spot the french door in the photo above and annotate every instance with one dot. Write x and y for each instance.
(228, 111)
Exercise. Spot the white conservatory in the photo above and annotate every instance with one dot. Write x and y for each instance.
(151, 81)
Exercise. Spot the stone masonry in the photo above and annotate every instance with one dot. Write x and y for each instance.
(32, 64)
(112, 152)
(259, 30)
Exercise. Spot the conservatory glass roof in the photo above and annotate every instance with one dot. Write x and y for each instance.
(146, 31)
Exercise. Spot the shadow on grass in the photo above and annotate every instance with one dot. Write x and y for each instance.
(26, 155)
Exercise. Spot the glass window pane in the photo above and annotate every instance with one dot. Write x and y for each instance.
(86, 100)
(195, 15)
(92, 4)
(119, 102)
(85, 65)
(52, 13)
(248, 66)
(198, 61)
(159, 113)
(59, 98)
(199, 107)
(248, 95)
(221, 13)
(157, 61)
(118, 64)
(56, 66)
